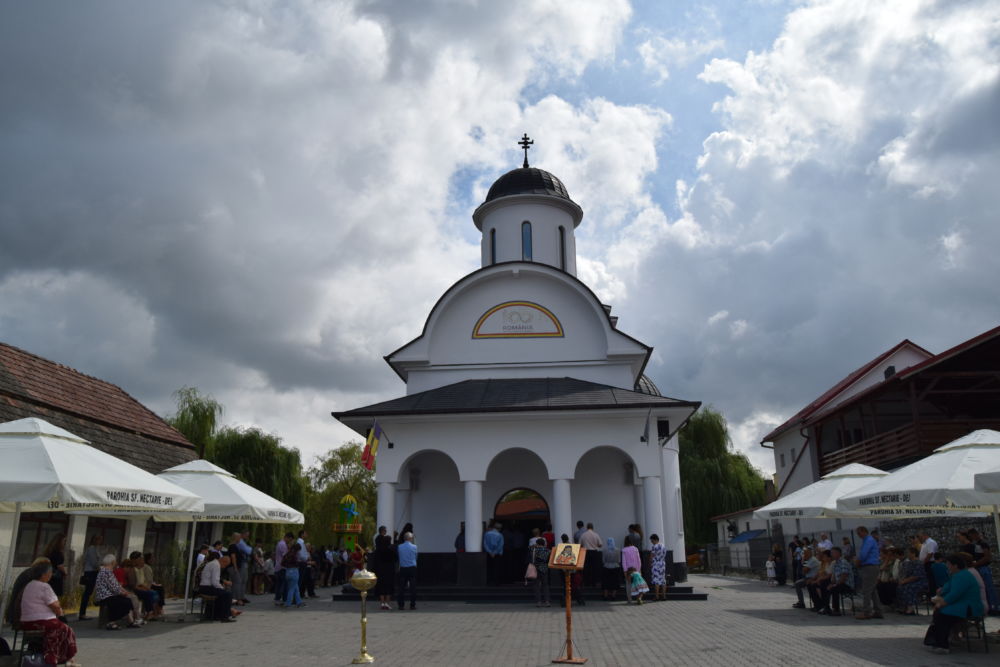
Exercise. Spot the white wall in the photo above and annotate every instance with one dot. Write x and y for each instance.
(436, 507)
(901, 358)
(590, 349)
(804, 473)
(545, 222)
(601, 494)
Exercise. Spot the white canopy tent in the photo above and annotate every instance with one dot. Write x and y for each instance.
(942, 483)
(48, 469)
(989, 481)
(819, 499)
(226, 499)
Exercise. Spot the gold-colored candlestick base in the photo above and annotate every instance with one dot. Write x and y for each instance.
(363, 580)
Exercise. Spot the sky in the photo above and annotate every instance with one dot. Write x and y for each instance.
(261, 199)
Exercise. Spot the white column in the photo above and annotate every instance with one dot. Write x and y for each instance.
(386, 508)
(640, 510)
(135, 536)
(76, 544)
(562, 508)
(673, 508)
(653, 504)
(473, 516)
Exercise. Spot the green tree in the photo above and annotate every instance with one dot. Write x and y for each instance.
(337, 473)
(715, 479)
(196, 418)
(260, 460)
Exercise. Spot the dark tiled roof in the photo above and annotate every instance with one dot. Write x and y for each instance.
(512, 395)
(527, 181)
(98, 411)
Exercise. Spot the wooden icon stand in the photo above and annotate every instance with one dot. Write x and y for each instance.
(568, 558)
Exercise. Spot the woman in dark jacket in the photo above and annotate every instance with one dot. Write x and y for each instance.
(384, 563)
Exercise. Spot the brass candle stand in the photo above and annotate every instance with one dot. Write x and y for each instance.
(363, 580)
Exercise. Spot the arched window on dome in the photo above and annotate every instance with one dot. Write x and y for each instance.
(562, 247)
(526, 241)
(493, 246)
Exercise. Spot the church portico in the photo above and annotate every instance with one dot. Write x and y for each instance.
(523, 397)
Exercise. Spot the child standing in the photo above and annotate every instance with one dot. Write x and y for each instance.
(637, 584)
(772, 579)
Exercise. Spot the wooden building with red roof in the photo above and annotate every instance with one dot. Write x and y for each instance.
(108, 417)
(896, 409)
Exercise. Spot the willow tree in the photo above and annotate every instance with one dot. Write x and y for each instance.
(715, 479)
(196, 418)
(260, 460)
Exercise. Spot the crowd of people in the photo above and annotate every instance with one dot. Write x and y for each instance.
(887, 577)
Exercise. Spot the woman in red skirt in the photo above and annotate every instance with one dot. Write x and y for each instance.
(40, 610)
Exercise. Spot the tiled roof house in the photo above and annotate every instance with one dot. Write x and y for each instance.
(98, 411)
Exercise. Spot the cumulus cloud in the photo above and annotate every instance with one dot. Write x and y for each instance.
(826, 207)
(260, 199)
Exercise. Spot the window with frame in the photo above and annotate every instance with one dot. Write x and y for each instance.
(526, 241)
(36, 529)
(493, 246)
(782, 459)
(562, 247)
(113, 533)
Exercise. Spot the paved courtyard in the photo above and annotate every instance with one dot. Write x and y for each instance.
(742, 623)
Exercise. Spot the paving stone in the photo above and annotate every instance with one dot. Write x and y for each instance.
(743, 622)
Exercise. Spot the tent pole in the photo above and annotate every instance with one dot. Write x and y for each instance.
(996, 523)
(8, 565)
(187, 578)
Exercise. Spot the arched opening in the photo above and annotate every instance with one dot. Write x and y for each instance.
(493, 246)
(526, 241)
(522, 509)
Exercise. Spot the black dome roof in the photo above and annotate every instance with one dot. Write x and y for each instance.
(527, 181)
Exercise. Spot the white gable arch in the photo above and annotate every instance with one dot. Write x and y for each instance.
(519, 319)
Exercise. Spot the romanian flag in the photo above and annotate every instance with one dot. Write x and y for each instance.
(371, 446)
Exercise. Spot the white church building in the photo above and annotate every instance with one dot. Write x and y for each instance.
(521, 388)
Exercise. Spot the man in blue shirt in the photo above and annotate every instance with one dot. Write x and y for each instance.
(407, 552)
(493, 546)
(868, 562)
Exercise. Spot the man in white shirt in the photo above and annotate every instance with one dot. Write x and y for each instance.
(927, 551)
(824, 542)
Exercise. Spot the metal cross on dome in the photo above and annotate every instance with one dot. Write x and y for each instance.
(525, 143)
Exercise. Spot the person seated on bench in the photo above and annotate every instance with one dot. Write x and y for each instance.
(841, 582)
(121, 574)
(110, 594)
(810, 568)
(821, 581)
(959, 599)
(40, 610)
(139, 579)
(148, 563)
(12, 609)
(210, 583)
(912, 583)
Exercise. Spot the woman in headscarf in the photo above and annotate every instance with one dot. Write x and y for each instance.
(612, 558)
(40, 610)
(630, 560)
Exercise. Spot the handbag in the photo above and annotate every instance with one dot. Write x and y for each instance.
(531, 573)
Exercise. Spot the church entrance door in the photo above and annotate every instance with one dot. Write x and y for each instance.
(519, 511)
